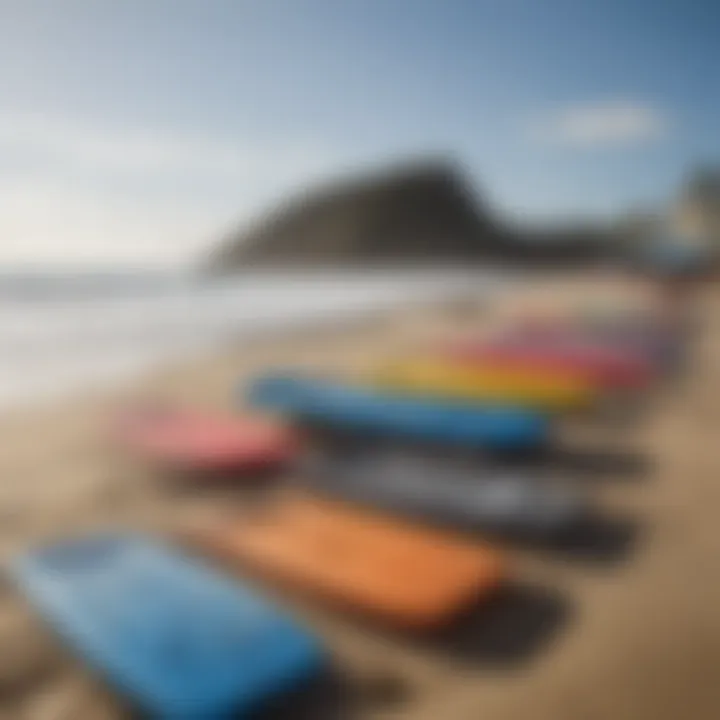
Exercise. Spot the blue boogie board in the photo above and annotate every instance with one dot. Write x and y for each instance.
(180, 640)
(358, 408)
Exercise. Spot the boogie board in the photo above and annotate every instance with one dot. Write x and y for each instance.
(402, 574)
(178, 639)
(646, 340)
(583, 341)
(491, 498)
(611, 369)
(661, 344)
(441, 377)
(371, 411)
(203, 441)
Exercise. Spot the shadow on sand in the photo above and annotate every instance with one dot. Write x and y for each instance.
(507, 631)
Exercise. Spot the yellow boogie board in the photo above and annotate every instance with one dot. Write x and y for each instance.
(492, 384)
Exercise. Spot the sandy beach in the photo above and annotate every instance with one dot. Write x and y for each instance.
(635, 636)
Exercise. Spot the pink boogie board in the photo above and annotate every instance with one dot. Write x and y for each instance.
(195, 440)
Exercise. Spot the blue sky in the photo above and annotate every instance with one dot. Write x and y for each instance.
(140, 130)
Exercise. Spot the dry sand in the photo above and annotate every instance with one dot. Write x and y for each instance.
(633, 639)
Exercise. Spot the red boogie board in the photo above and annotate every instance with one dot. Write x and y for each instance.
(195, 440)
(608, 367)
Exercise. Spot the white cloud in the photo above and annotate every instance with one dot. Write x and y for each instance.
(51, 222)
(77, 191)
(602, 124)
(86, 146)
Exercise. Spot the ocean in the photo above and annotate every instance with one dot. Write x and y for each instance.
(69, 331)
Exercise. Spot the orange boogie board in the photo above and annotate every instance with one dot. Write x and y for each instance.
(397, 572)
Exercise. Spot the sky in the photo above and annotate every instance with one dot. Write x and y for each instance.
(142, 131)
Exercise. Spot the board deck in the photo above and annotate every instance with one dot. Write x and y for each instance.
(371, 411)
(191, 439)
(398, 572)
(644, 342)
(491, 498)
(177, 638)
(524, 386)
(609, 369)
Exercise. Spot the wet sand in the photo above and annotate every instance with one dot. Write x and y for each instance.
(632, 632)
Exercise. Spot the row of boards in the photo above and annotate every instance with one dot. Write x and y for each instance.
(182, 640)
(500, 394)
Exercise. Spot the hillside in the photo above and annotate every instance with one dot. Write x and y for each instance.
(418, 213)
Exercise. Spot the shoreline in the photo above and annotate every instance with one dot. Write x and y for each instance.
(252, 335)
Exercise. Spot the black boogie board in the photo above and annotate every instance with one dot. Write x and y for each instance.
(489, 498)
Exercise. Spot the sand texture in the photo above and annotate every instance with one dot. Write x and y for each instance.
(631, 632)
